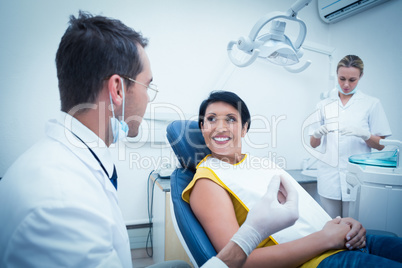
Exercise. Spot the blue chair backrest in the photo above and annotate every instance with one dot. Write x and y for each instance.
(188, 144)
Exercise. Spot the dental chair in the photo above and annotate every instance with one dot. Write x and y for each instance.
(188, 144)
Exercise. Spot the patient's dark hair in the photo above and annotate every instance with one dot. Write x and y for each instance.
(92, 49)
(229, 98)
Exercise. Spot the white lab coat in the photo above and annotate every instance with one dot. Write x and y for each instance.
(58, 207)
(362, 111)
(214, 262)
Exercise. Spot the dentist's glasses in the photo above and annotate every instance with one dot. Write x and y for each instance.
(152, 89)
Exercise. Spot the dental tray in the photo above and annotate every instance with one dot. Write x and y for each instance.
(380, 159)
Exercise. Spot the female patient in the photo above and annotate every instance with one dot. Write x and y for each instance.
(227, 184)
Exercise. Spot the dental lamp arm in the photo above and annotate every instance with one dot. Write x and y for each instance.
(298, 69)
(296, 7)
(238, 63)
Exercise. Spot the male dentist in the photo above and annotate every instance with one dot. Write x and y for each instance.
(59, 204)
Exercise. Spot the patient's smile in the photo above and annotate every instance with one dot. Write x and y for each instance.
(221, 139)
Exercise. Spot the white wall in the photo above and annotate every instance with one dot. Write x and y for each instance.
(187, 50)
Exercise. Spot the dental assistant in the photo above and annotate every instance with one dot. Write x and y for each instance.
(348, 122)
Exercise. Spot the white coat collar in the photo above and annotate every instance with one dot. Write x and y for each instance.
(62, 129)
(334, 95)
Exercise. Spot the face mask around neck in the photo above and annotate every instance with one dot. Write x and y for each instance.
(119, 128)
(341, 91)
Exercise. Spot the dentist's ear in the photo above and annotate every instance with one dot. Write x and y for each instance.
(115, 86)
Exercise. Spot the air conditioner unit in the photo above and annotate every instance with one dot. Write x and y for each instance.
(335, 10)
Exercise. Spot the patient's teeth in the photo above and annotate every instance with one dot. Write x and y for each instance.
(221, 138)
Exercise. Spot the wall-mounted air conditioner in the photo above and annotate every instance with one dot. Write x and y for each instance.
(334, 10)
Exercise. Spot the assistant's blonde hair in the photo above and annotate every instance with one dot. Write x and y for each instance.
(351, 61)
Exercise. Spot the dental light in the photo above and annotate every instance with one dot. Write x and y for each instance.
(273, 46)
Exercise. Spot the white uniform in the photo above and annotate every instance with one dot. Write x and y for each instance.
(214, 262)
(58, 207)
(248, 180)
(361, 111)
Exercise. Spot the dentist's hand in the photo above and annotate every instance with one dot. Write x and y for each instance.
(321, 131)
(355, 131)
(268, 216)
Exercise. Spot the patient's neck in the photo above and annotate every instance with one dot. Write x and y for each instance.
(231, 159)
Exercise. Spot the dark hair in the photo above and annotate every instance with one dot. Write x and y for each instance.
(351, 61)
(92, 49)
(229, 98)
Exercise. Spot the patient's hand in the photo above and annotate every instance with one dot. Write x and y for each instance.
(335, 233)
(356, 237)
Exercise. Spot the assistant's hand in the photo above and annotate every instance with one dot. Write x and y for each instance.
(268, 216)
(356, 237)
(321, 131)
(355, 131)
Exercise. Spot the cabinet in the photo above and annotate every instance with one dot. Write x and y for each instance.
(166, 244)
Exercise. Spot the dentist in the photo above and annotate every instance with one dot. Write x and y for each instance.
(59, 204)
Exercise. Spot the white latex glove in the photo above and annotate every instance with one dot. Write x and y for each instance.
(355, 131)
(268, 216)
(321, 131)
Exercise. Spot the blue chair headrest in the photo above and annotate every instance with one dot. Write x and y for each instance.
(187, 142)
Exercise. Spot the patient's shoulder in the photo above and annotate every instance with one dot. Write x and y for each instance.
(201, 173)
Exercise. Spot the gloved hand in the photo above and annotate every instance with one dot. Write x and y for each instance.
(321, 131)
(268, 216)
(355, 131)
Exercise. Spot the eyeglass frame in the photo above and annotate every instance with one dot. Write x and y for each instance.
(150, 86)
